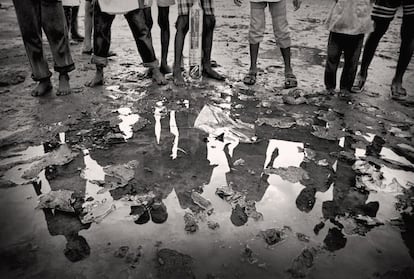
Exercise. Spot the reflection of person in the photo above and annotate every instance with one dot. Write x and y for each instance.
(209, 22)
(139, 21)
(33, 16)
(156, 211)
(277, 9)
(71, 8)
(382, 14)
(164, 23)
(348, 21)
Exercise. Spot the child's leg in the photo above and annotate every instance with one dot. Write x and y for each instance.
(256, 31)
(182, 29)
(29, 18)
(164, 23)
(102, 23)
(53, 20)
(352, 52)
(332, 60)
(68, 17)
(74, 25)
(209, 22)
(87, 43)
(138, 23)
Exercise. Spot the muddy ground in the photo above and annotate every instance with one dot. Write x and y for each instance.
(215, 180)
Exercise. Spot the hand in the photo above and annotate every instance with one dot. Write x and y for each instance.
(296, 4)
(238, 2)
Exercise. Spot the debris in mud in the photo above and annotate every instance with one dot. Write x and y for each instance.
(137, 200)
(291, 173)
(190, 221)
(174, 265)
(277, 122)
(119, 175)
(59, 157)
(248, 255)
(132, 258)
(294, 97)
(273, 236)
(202, 202)
(97, 211)
(12, 77)
(213, 225)
(121, 252)
(140, 124)
(215, 121)
(301, 264)
(239, 162)
(345, 156)
(60, 200)
(114, 138)
(302, 237)
(331, 133)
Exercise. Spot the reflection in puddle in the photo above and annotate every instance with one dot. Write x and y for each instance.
(174, 131)
(128, 120)
(389, 155)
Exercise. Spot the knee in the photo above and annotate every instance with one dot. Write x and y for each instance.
(209, 22)
(182, 24)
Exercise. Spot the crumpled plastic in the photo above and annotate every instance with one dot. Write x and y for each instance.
(60, 200)
(214, 121)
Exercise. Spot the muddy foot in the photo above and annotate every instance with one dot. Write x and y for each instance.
(42, 88)
(98, 79)
(210, 73)
(64, 87)
(165, 69)
(158, 77)
(178, 78)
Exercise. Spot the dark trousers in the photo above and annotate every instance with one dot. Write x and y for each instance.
(35, 15)
(139, 21)
(350, 46)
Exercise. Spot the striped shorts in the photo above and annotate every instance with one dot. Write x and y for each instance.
(386, 9)
(184, 7)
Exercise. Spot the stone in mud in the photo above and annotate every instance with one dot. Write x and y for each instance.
(238, 216)
(121, 252)
(201, 201)
(294, 97)
(174, 265)
(273, 236)
(12, 77)
(302, 237)
(291, 173)
(213, 225)
(318, 227)
(59, 200)
(277, 122)
(302, 263)
(190, 221)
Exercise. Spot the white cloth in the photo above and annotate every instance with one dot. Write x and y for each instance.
(122, 7)
(70, 2)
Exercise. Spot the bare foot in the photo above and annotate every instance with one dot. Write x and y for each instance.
(64, 87)
(165, 69)
(210, 73)
(42, 88)
(158, 77)
(178, 77)
(98, 79)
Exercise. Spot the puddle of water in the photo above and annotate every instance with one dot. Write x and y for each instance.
(128, 120)
(388, 154)
(308, 55)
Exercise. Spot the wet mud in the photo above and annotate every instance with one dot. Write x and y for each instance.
(214, 180)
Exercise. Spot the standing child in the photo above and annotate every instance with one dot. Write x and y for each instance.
(71, 8)
(164, 23)
(209, 22)
(347, 22)
(277, 9)
(139, 21)
(33, 16)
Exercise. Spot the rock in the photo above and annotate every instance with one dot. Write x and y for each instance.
(59, 200)
(238, 216)
(273, 236)
(201, 201)
(12, 77)
(291, 173)
(174, 265)
(190, 221)
(302, 263)
(294, 97)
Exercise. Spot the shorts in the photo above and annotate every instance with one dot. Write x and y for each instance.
(165, 3)
(184, 7)
(386, 9)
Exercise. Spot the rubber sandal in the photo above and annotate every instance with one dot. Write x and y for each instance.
(290, 81)
(250, 78)
(359, 85)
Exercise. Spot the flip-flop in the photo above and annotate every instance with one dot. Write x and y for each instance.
(290, 81)
(250, 78)
(398, 92)
(359, 85)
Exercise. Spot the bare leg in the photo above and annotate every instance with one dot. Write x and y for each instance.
(164, 23)
(208, 30)
(87, 43)
(182, 29)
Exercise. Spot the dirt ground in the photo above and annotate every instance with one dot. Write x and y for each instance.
(214, 180)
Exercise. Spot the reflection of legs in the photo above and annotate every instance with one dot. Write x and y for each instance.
(29, 17)
(87, 43)
(209, 22)
(139, 21)
(352, 51)
(182, 29)
(332, 60)
(53, 19)
(164, 23)
(102, 23)
(406, 53)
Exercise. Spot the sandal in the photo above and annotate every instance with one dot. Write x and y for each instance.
(290, 81)
(398, 92)
(359, 85)
(250, 78)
